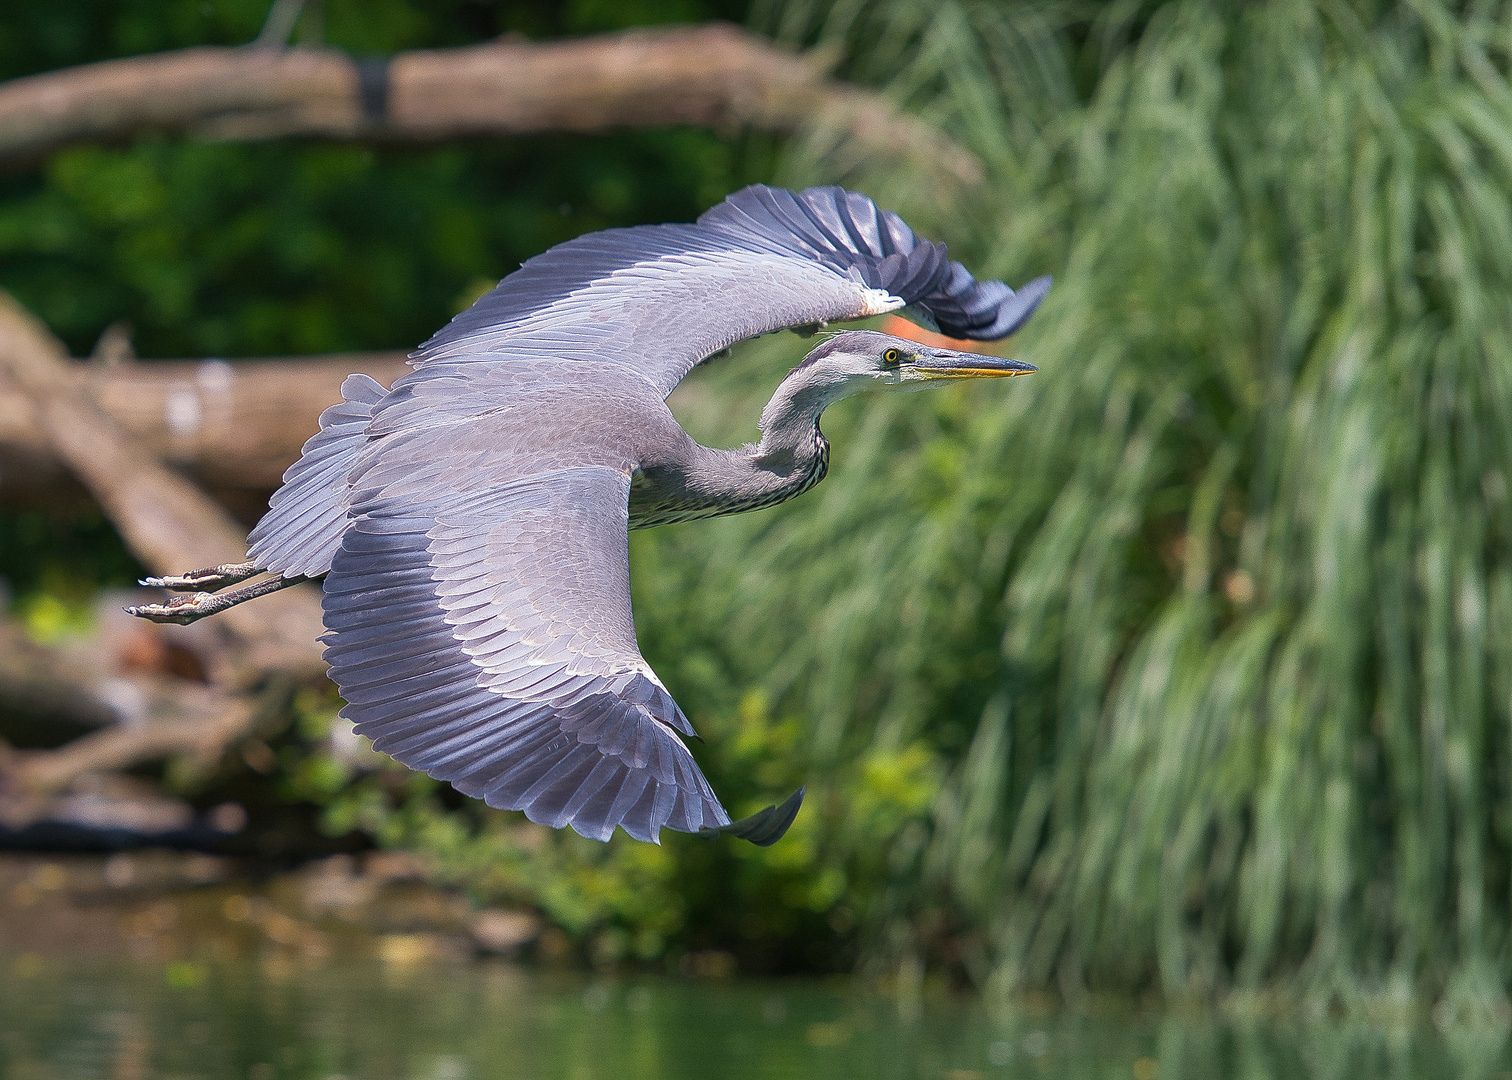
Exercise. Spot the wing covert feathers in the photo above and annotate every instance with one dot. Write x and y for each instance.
(659, 299)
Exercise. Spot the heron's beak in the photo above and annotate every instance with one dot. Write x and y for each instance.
(945, 364)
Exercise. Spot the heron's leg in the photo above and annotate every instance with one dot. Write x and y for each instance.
(195, 606)
(209, 579)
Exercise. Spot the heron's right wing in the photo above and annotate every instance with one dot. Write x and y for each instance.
(485, 638)
(661, 298)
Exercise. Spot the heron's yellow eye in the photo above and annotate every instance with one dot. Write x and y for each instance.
(891, 357)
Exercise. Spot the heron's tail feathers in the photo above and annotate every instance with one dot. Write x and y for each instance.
(302, 529)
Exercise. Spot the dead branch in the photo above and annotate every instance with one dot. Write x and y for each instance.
(199, 722)
(168, 523)
(43, 699)
(126, 693)
(715, 75)
(228, 426)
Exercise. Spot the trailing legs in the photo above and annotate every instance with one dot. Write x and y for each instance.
(203, 598)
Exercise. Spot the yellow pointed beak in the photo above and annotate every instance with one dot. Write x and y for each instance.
(945, 364)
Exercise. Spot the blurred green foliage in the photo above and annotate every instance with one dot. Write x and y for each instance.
(1185, 664)
(1237, 561)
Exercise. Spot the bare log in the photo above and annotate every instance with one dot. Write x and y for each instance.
(198, 722)
(112, 702)
(229, 426)
(43, 698)
(128, 693)
(715, 75)
(168, 523)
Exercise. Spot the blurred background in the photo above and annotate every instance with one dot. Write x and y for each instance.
(1180, 671)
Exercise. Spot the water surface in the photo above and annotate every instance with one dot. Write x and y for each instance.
(252, 1021)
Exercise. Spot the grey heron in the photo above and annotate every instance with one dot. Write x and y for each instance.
(471, 522)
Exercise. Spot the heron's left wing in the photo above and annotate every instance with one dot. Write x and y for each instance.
(658, 299)
(485, 638)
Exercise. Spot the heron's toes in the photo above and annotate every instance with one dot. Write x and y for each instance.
(180, 609)
(209, 579)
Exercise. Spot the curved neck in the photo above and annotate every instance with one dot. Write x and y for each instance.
(790, 421)
(793, 453)
(699, 481)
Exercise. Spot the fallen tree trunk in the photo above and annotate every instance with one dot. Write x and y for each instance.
(229, 426)
(233, 427)
(714, 75)
(170, 525)
(197, 722)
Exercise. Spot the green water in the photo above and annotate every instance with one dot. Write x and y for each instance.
(467, 1022)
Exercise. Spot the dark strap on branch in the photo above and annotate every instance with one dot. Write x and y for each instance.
(373, 88)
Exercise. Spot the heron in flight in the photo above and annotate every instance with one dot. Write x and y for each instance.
(471, 523)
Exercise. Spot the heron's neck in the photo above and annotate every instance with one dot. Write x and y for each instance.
(699, 481)
(792, 455)
(790, 421)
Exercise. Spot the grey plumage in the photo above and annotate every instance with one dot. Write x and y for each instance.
(472, 521)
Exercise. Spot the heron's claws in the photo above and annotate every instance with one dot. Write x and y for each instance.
(181, 609)
(209, 579)
(196, 605)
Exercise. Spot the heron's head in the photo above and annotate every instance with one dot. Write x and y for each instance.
(858, 360)
(862, 359)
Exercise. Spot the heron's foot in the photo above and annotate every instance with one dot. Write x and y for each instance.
(182, 609)
(209, 579)
(195, 606)
(765, 827)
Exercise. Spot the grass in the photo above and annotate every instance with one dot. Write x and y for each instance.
(1204, 634)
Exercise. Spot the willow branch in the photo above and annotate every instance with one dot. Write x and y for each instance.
(715, 75)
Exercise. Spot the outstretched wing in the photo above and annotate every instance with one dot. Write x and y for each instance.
(661, 298)
(653, 300)
(483, 633)
(485, 637)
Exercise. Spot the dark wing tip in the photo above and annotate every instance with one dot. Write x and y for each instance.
(1015, 313)
(984, 310)
(765, 827)
(850, 234)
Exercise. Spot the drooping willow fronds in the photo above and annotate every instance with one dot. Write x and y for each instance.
(1209, 625)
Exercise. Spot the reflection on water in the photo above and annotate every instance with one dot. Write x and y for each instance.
(471, 1021)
